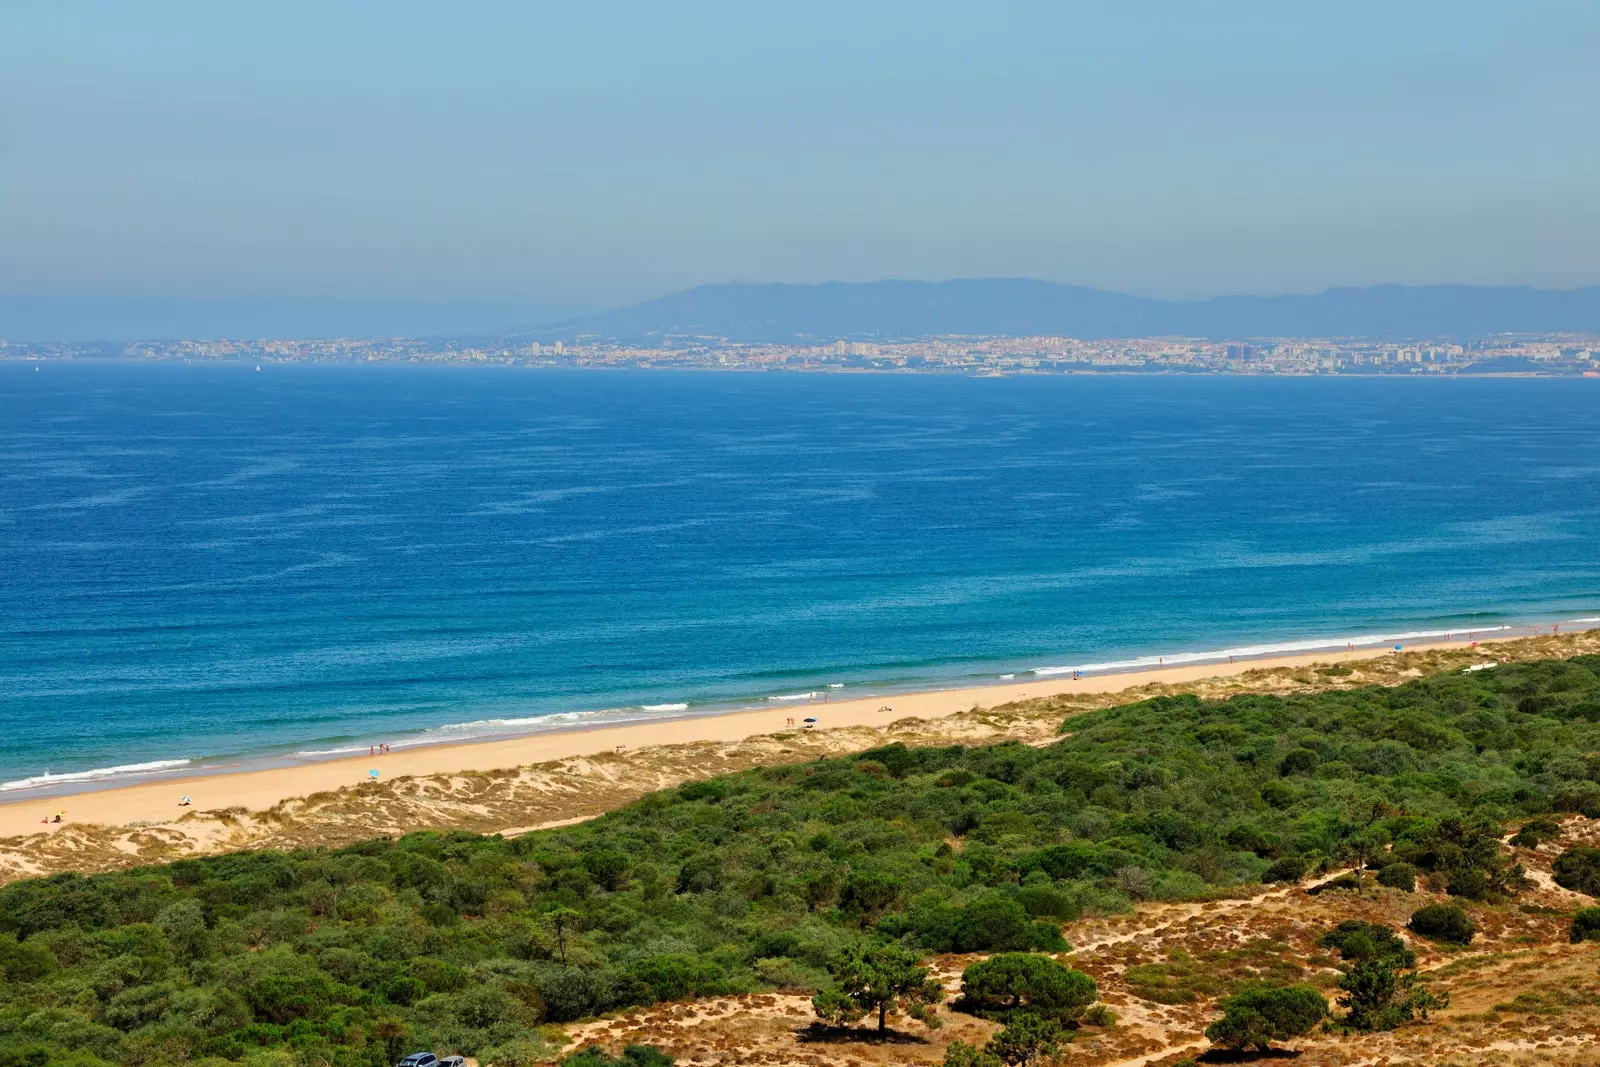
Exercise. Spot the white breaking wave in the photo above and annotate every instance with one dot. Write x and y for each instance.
(795, 696)
(94, 775)
(456, 732)
(349, 750)
(1279, 648)
(480, 724)
(835, 685)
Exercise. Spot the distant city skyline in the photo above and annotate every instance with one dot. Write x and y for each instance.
(422, 170)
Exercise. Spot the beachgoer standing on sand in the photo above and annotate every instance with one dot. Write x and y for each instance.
(372, 750)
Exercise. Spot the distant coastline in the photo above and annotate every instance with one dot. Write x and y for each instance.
(1533, 356)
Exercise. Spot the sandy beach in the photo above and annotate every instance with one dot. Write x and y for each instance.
(255, 790)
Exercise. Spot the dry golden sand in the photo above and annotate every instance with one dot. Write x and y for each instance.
(565, 777)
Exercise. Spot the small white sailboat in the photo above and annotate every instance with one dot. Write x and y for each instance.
(258, 367)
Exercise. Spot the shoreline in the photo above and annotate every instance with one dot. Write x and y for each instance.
(222, 788)
(154, 769)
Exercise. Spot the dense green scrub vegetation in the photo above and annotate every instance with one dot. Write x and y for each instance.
(455, 942)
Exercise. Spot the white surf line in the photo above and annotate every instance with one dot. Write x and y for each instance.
(1268, 649)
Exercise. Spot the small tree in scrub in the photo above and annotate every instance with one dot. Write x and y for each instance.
(1027, 1039)
(1378, 997)
(876, 976)
(961, 1054)
(1578, 869)
(1586, 925)
(1448, 923)
(1013, 983)
(1257, 1017)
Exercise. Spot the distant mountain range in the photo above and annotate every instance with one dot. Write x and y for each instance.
(830, 311)
(1023, 306)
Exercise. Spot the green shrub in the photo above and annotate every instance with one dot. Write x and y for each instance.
(24, 961)
(1287, 869)
(1003, 985)
(1257, 1017)
(1447, 923)
(993, 923)
(1578, 869)
(1586, 925)
(1401, 876)
(1536, 832)
(1048, 902)
(1356, 940)
(1343, 883)
(1299, 761)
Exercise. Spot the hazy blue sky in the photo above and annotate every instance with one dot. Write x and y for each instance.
(584, 154)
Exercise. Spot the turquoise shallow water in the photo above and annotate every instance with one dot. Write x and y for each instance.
(215, 564)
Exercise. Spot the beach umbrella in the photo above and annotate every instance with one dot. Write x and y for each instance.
(810, 719)
(373, 774)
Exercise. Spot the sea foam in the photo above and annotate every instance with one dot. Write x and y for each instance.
(1252, 651)
(122, 770)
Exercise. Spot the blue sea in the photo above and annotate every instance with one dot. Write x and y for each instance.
(226, 566)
